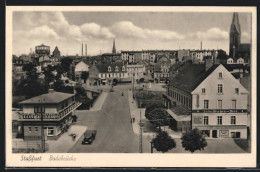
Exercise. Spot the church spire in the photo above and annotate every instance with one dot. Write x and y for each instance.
(235, 35)
(235, 22)
(114, 46)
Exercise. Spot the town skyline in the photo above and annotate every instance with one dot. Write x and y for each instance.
(131, 30)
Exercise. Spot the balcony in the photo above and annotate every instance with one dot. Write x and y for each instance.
(48, 116)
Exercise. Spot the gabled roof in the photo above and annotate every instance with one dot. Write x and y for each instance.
(190, 76)
(51, 97)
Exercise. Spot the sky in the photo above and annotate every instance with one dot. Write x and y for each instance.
(131, 30)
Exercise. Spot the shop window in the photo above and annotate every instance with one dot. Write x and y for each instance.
(205, 133)
(235, 134)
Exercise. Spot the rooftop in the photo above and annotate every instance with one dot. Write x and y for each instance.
(51, 97)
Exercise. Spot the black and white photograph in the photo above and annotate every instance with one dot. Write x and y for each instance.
(123, 81)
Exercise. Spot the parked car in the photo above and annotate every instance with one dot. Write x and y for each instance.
(89, 136)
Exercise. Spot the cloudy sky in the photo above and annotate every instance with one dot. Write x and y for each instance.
(131, 30)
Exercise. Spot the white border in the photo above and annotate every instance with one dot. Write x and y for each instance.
(131, 160)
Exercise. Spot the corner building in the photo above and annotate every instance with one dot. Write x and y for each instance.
(219, 105)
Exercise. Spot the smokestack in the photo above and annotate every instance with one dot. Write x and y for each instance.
(82, 50)
(200, 45)
(86, 49)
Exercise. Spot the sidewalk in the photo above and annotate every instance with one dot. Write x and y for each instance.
(135, 113)
(65, 142)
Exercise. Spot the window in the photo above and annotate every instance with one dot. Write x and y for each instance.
(29, 129)
(234, 102)
(109, 69)
(206, 104)
(123, 68)
(219, 104)
(220, 75)
(203, 90)
(39, 109)
(220, 88)
(116, 69)
(197, 101)
(35, 128)
(233, 119)
(206, 120)
(237, 90)
(50, 131)
(219, 120)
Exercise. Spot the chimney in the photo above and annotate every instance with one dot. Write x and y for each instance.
(200, 45)
(208, 64)
(86, 49)
(51, 91)
(82, 50)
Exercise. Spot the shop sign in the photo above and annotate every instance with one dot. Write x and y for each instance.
(197, 119)
(223, 133)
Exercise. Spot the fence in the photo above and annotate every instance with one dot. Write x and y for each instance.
(28, 146)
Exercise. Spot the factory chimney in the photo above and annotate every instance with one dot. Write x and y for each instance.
(200, 45)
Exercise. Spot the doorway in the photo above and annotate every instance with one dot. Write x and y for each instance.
(214, 133)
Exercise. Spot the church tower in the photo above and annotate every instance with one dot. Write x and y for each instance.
(235, 35)
(114, 46)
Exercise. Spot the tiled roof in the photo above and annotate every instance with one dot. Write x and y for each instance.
(103, 68)
(191, 76)
(51, 97)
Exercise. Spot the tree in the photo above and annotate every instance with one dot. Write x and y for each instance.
(163, 142)
(65, 65)
(48, 75)
(151, 107)
(193, 140)
(84, 76)
(159, 117)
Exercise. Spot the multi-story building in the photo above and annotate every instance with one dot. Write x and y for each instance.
(219, 105)
(135, 71)
(53, 111)
(102, 74)
(210, 98)
(161, 69)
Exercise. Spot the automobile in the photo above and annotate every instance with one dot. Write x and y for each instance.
(89, 136)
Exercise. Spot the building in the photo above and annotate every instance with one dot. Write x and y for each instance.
(199, 55)
(208, 97)
(17, 69)
(236, 48)
(105, 73)
(56, 52)
(219, 105)
(161, 69)
(135, 71)
(79, 68)
(42, 50)
(55, 108)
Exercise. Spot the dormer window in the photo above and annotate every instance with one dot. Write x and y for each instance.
(109, 69)
(116, 69)
(123, 68)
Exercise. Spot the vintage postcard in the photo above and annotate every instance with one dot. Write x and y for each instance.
(130, 86)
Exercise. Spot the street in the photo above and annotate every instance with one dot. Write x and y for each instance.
(114, 130)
